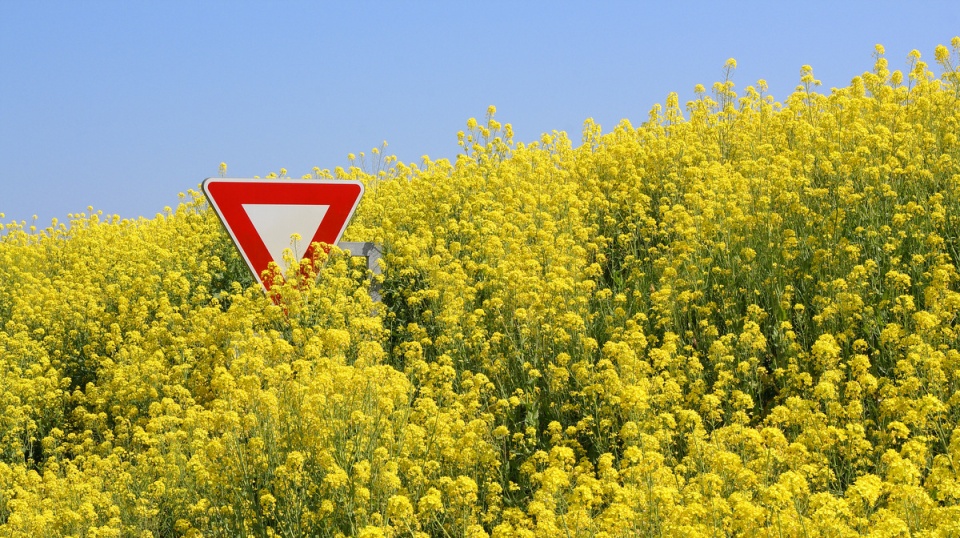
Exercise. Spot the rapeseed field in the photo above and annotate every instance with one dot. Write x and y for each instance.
(739, 318)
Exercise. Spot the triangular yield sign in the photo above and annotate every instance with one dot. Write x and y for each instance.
(262, 215)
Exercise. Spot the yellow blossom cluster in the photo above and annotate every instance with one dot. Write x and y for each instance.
(738, 319)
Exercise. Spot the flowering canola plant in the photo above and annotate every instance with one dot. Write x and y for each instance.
(739, 318)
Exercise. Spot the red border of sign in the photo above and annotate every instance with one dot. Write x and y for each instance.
(227, 196)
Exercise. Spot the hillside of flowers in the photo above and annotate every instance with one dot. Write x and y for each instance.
(739, 318)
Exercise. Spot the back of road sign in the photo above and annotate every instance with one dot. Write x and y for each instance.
(261, 215)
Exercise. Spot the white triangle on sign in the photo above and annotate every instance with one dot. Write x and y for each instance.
(277, 222)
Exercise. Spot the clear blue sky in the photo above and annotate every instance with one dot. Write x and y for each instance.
(122, 105)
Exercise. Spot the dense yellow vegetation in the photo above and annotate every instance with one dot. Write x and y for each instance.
(739, 318)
